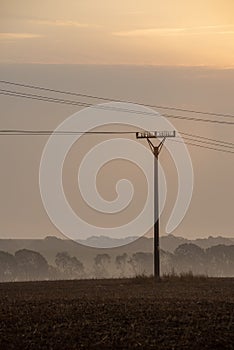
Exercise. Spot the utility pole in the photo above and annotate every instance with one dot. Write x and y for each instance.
(156, 151)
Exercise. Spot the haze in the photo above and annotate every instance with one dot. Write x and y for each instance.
(155, 52)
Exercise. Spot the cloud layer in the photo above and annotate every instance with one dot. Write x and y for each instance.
(201, 30)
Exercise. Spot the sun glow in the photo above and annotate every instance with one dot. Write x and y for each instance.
(154, 33)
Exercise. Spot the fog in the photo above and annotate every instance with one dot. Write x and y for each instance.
(21, 208)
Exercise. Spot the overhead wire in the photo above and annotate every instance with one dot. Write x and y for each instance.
(65, 132)
(195, 138)
(207, 138)
(101, 107)
(201, 146)
(205, 144)
(208, 142)
(30, 86)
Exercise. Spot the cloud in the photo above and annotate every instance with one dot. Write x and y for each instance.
(62, 23)
(149, 32)
(15, 36)
(226, 32)
(218, 29)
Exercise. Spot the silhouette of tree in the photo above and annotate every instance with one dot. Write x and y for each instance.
(142, 263)
(69, 267)
(166, 261)
(220, 260)
(8, 266)
(101, 264)
(189, 257)
(53, 273)
(31, 265)
(121, 262)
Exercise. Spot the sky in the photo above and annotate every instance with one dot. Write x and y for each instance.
(172, 53)
(151, 32)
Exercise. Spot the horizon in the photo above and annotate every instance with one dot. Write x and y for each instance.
(122, 239)
(156, 53)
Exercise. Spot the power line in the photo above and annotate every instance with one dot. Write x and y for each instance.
(84, 104)
(208, 142)
(71, 132)
(57, 100)
(28, 131)
(10, 132)
(207, 138)
(115, 100)
(42, 98)
(201, 146)
(68, 132)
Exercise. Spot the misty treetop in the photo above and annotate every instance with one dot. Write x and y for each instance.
(29, 265)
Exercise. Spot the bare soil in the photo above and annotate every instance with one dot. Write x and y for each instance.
(192, 313)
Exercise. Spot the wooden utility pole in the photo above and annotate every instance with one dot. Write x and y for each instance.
(156, 150)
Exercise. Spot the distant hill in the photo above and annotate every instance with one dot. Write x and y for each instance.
(50, 246)
(106, 242)
(212, 241)
(168, 243)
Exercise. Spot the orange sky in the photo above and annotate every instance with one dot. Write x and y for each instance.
(150, 32)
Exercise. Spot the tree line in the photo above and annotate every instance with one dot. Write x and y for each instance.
(28, 265)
